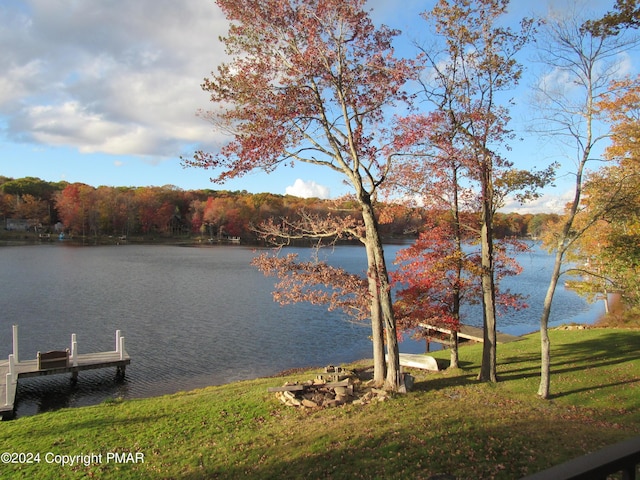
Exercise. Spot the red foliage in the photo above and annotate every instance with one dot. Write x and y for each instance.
(317, 283)
(434, 278)
(73, 205)
(309, 80)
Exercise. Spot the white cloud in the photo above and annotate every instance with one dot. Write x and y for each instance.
(625, 64)
(116, 77)
(555, 83)
(308, 189)
(547, 203)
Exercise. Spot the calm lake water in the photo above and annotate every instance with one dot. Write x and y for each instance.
(193, 317)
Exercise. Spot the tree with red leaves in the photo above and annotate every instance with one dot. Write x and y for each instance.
(464, 79)
(312, 81)
(317, 283)
(442, 270)
(74, 204)
(436, 277)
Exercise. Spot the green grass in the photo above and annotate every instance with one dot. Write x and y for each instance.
(449, 423)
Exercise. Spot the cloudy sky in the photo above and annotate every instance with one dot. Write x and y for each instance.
(106, 92)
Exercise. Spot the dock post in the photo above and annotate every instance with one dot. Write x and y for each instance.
(12, 370)
(15, 343)
(121, 349)
(7, 397)
(117, 341)
(74, 349)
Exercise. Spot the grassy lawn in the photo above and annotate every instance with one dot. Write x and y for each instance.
(449, 423)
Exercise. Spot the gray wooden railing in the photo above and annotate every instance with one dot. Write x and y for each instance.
(621, 458)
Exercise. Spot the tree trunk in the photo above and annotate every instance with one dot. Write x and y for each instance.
(457, 294)
(545, 342)
(377, 330)
(454, 350)
(381, 278)
(489, 351)
(562, 246)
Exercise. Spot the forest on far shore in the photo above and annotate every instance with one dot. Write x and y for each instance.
(76, 209)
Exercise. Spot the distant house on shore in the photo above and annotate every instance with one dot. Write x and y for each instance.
(19, 224)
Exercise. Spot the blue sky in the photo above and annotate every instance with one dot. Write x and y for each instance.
(106, 93)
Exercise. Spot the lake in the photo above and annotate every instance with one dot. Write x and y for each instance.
(196, 316)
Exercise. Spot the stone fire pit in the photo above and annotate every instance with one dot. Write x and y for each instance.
(336, 386)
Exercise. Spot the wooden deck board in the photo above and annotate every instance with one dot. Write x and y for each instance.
(469, 332)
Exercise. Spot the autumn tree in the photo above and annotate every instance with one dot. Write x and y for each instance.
(315, 281)
(7, 205)
(33, 186)
(609, 251)
(580, 66)
(311, 81)
(464, 79)
(38, 189)
(318, 283)
(154, 211)
(213, 216)
(538, 224)
(222, 216)
(113, 209)
(196, 215)
(434, 279)
(625, 14)
(73, 205)
(33, 209)
(431, 276)
(442, 270)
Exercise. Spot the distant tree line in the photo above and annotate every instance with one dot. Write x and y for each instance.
(83, 210)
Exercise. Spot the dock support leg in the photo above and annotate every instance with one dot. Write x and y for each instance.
(74, 377)
(120, 372)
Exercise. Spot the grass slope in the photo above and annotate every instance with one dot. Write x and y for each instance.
(449, 423)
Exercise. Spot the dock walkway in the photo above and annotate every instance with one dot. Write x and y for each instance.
(468, 332)
(13, 369)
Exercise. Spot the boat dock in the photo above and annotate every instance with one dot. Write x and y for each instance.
(55, 362)
(467, 332)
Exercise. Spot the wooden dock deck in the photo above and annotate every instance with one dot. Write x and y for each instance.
(468, 332)
(13, 369)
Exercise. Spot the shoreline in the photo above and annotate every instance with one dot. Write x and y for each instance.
(365, 364)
